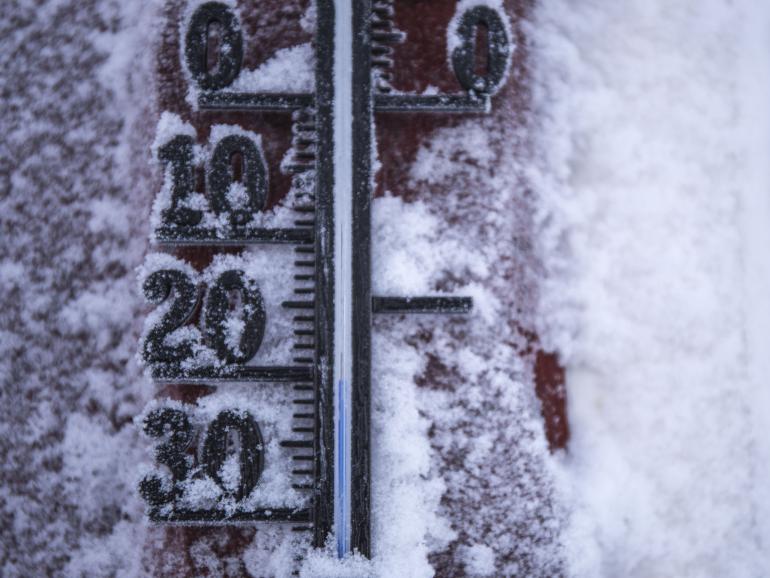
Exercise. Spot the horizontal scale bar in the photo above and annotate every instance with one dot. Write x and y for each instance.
(254, 101)
(282, 374)
(297, 443)
(208, 237)
(422, 304)
(436, 103)
(214, 516)
(450, 103)
(298, 305)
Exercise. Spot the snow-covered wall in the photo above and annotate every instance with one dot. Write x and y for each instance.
(652, 124)
(76, 83)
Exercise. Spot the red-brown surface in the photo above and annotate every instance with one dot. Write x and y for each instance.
(421, 61)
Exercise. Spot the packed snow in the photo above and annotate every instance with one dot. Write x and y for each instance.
(651, 118)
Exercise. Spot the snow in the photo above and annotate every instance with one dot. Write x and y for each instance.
(479, 560)
(169, 126)
(406, 493)
(290, 70)
(653, 180)
(76, 81)
(642, 162)
(465, 376)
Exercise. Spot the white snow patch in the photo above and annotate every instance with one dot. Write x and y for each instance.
(290, 70)
(479, 560)
(646, 115)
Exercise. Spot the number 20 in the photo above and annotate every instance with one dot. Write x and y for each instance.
(160, 285)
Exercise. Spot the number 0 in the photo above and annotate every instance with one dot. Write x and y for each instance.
(250, 449)
(197, 46)
(498, 50)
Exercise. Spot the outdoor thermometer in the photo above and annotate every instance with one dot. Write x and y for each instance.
(298, 451)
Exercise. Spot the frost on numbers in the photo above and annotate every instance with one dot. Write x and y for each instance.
(212, 323)
(220, 458)
(234, 201)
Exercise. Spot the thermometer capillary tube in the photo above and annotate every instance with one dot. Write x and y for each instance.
(343, 235)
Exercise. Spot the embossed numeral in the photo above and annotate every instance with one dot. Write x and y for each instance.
(175, 426)
(253, 180)
(249, 447)
(157, 288)
(498, 50)
(230, 431)
(233, 344)
(197, 46)
(236, 179)
(234, 316)
(177, 156)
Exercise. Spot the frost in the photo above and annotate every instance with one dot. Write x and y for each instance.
(454, 40)
(73, 170)
(265, 271)
(290, 70)
(479, 560)
(407, 493)
(641, 174)
(271, 409)
(170, 126)
(464, 380)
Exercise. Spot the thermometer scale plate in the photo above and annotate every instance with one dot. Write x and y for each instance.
(318, 327)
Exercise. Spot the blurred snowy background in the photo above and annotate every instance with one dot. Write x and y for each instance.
(650, 135)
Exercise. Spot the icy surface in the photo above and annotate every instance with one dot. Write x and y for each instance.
(652, 122)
